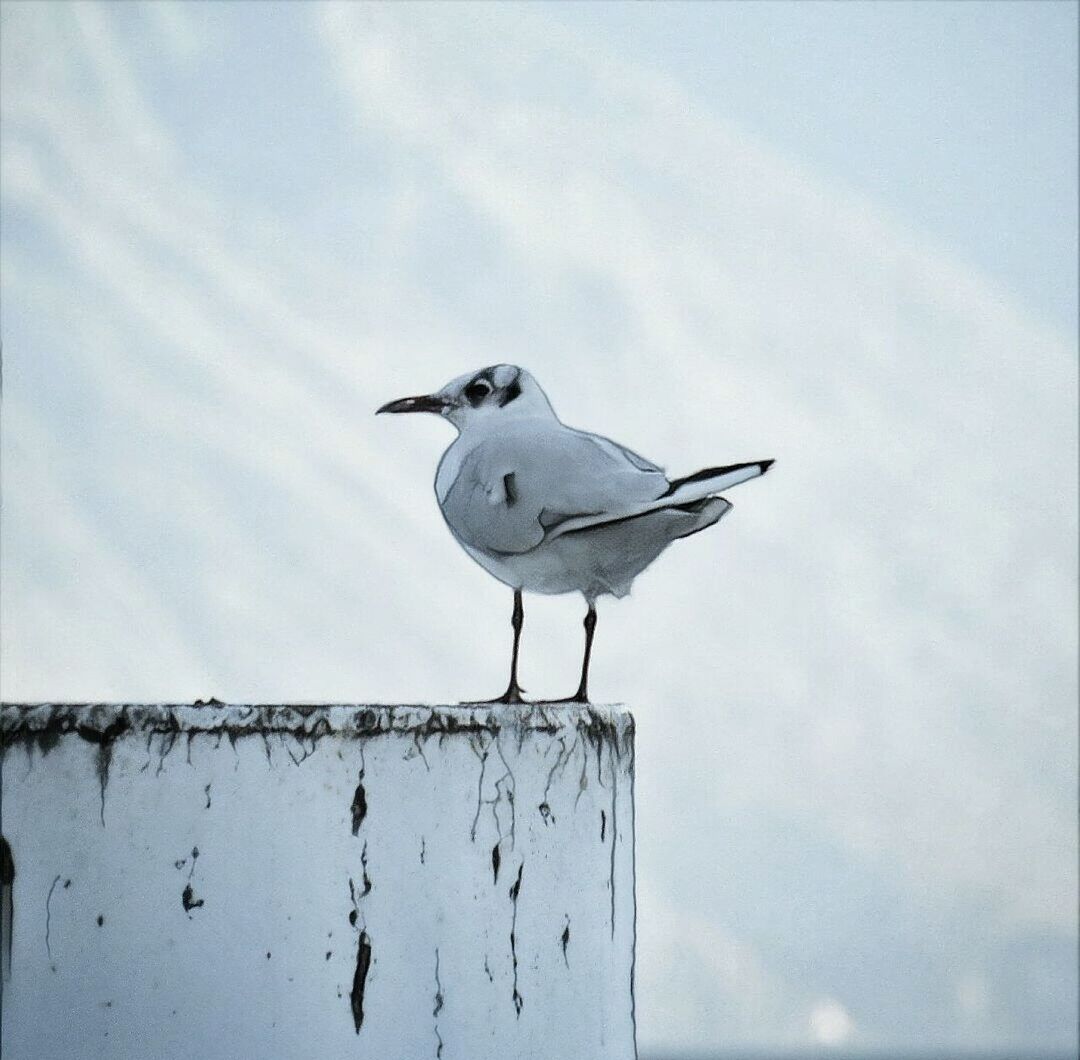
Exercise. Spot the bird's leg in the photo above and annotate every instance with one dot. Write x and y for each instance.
(517, 620)
(513, 690)
(582, 693)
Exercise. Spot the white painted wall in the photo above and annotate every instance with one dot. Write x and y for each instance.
(321, 833)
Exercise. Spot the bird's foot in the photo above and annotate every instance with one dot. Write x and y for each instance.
(580, 696)
(512, 697)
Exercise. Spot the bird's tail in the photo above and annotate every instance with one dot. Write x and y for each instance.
(712, 480)
(682, 491)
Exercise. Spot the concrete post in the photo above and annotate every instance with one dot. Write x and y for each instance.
(383, 882)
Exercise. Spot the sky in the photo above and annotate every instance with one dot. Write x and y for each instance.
(840, 236)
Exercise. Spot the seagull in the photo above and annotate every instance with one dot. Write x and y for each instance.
(549, 509)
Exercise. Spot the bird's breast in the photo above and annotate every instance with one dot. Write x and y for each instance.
(449, 468)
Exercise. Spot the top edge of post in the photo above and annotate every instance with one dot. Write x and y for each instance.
(102, 722)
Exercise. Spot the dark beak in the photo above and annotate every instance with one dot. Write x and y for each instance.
(425, 403)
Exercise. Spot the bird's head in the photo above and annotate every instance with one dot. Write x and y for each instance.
(488, 396)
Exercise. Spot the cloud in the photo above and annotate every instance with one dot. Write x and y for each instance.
(830, 1024)
(178, 33)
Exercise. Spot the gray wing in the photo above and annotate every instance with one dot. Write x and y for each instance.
(515, 489)
(618, 452)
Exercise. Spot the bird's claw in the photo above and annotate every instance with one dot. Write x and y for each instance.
(511, 697)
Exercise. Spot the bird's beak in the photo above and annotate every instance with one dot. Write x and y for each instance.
(424, 403)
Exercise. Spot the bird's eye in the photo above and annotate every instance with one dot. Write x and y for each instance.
(476, 392)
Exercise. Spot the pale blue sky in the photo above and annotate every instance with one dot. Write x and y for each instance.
(842, 236)
(958, 116)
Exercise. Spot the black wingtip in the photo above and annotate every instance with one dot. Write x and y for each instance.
(715, 472)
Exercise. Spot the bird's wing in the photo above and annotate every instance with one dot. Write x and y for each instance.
(682, 492)
(618, 453)
(515, 489)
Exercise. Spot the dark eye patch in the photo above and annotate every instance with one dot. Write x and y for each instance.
(511, 392)
(476, 392)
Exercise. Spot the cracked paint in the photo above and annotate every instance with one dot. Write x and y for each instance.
(356, 995)
(39, 726)
(165, 745)
(190, 901)
(48, 918)
(367, 885)
(7, 905)
(358, 808)
(583, 780)
(563, 756)
(104, 739)
(439, 933)
(179, 863)
(437, 1006)
(515, 890)
(506, 788)
(479, 787)
(418, 743)
(363, 951)
(187, 897)
(614, 837)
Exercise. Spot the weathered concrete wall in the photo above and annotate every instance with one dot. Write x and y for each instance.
(330, 881)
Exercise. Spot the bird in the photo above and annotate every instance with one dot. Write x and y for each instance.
(546, 508)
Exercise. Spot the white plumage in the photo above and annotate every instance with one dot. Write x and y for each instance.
(549, 509)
